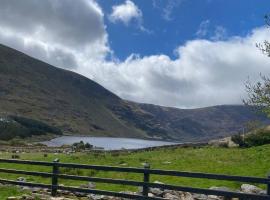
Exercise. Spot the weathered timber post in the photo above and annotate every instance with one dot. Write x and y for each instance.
(55, 171)
(146, 179)
(268, 185)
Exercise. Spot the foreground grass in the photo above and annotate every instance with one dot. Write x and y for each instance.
(9, 191)
(246, 162)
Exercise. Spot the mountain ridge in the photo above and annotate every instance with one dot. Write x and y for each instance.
(77, 105)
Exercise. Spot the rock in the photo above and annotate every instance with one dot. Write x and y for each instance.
(35, 190)
(158, 182)
(171, 196)
(220, 188)
(156, 191)
(25, 188)
(12, 198)
(200, 197)
(214, 197)
(167, 162)
(21, 179)
(263, 192)
(27, 197)
(96, 197)
(247, 188)
(89, 185)
(80, 194)
(186, 196)
(151, 195)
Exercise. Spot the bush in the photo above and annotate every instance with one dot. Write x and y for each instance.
(239, 139)
(81, 146)
(257, 138)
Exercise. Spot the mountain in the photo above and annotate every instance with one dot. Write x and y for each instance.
(74, 104)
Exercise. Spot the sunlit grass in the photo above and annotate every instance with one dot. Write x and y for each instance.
(246, 162)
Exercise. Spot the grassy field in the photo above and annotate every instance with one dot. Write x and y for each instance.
(247, 162)
(9, 191)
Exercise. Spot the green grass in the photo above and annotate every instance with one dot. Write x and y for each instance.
(246, 162)
(6, 191)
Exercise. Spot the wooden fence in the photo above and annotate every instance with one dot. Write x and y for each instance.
(145, 183)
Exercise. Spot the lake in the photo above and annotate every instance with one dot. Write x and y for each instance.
(107, 143)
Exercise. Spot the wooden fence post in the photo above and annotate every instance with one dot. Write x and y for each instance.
(146, 179)
(55, 178)
(268, 185)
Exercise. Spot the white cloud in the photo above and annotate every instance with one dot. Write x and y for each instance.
(168, 9)
(56, 31)
(126, 13)
(203, 28)
(220, 33)
(205, 72)
(214, 33)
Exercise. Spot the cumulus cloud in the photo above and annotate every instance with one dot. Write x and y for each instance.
(54, 30)
(73, 36)
(125, 13)
(206, 72)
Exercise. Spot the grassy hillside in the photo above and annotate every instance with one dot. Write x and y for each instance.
(73, 103)
(77, 105)
(189, 124)
(247, 162)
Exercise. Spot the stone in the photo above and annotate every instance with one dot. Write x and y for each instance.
(186, 196)
(156, 191)
(21, 179)
(171, 196)
(80, 194)
(12, 198)
(167, 162)
(247, 188)
(214, 197)
(200, 197)
(95, 197)
(89, 185)
(220, 188)
(158, 182)
(150, 194)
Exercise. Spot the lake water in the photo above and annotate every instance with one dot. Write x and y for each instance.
(107, 143)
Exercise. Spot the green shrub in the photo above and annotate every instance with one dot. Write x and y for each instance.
(256, 138)
(238, 139)
(81, 145)
(260, 137)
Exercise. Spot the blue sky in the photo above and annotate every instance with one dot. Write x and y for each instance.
(237, 17)
(177, 53)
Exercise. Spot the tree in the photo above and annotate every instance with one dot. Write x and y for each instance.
(265, 46)
(259, 93)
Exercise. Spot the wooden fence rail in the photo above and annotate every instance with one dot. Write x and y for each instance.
(145, 183)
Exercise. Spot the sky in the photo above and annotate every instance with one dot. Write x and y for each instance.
(177, 53)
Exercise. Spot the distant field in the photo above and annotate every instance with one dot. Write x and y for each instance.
(247, 162)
